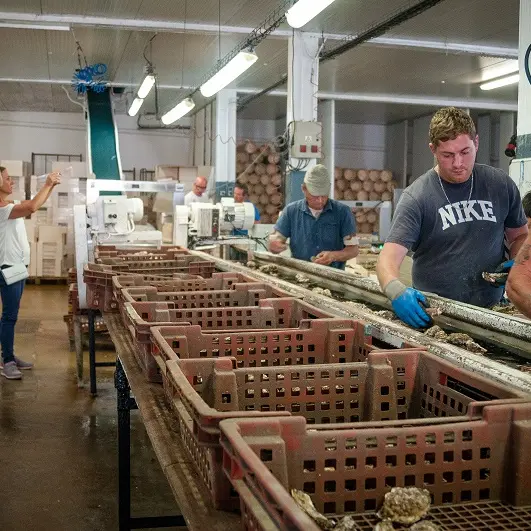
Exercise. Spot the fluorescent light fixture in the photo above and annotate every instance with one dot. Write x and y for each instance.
(235, 68)
(504, 68)
(502, 82)
(305, 10)
(135, 106)
(178, 111)
(146, 86)
(50, 27)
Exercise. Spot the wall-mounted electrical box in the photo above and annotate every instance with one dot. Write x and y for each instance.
(306, 140)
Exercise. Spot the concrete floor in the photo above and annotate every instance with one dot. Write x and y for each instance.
(58, 460)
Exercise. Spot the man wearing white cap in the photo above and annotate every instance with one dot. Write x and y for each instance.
(319, 229)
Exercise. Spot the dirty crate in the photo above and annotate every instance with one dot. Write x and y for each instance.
(180, 283)
(315, 341)
(140, 317)
(99, 280)
(239, 295)
(474, 466)
(112, 251)
(388, 386)
(268, 314)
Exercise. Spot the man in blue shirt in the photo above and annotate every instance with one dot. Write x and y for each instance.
(241, 195)
(319, 229)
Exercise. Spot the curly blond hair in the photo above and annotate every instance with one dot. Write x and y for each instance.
(448, 123)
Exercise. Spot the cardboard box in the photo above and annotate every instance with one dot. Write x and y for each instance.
(50, 259)
(71, 169)
(32, 270)
(16, 168)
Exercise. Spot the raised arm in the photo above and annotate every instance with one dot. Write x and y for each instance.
(26, 208)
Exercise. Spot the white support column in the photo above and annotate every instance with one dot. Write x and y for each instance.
(328, 110)
(303, 80)
(225, 142)
(524, 86)
(507, 127)
(520, 169)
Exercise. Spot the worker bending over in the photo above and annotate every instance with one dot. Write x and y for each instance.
(454, 218)
(318, 228)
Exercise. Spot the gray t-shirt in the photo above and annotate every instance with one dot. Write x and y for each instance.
(455, 241)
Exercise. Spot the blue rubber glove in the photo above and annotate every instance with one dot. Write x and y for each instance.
(504, 267)
(408, 304)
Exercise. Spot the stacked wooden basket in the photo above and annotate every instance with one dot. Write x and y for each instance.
(258, 168)
(364, 185)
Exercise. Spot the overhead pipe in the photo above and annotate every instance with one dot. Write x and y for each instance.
(213, 29)
(406, 99)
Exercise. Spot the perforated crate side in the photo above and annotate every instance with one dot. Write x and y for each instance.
(315, 341)
(428, 386)
(240, 295)
(481, 458)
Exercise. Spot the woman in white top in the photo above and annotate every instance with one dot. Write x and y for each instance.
(14, 250)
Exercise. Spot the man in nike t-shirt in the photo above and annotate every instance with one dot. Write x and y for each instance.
(455, 219)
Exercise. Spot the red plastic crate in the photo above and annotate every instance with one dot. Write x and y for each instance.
(239, 295)
(390, 385)
(315, 341)
(179, 283)
(476, 461)
(268, 314)
(112, 251)
(140, 317)
(99, 279)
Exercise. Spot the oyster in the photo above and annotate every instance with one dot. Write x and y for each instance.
(387, 314)
(509, 309)
(251, 265)
(464, 340)
(495, 278)
(269, 269)
(302, 279)
(437, 333)
(424, 526)
(305, 503)
(405, 505)
(322, 291)
(346, 524)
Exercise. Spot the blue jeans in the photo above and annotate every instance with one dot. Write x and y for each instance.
(11, 296)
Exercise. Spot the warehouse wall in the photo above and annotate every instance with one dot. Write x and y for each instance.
(22, 133)
(360, 146)
(422, 157)
(357, 145)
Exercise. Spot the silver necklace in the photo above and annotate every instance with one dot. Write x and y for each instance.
(444, 191)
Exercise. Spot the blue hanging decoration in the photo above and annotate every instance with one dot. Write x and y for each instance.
(90, 77)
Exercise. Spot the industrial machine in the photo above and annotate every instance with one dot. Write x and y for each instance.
(112, 219)
(204, 223)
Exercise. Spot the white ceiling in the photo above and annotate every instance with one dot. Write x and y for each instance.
(183, 59)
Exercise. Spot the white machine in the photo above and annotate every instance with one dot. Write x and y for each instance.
(113, 219)
(203, 222)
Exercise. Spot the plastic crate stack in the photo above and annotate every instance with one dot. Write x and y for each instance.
(75, 311)
(272, 394)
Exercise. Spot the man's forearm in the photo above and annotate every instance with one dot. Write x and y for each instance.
(349, 252)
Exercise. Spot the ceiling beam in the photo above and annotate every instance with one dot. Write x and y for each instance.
(405, 99)
(204, 28)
